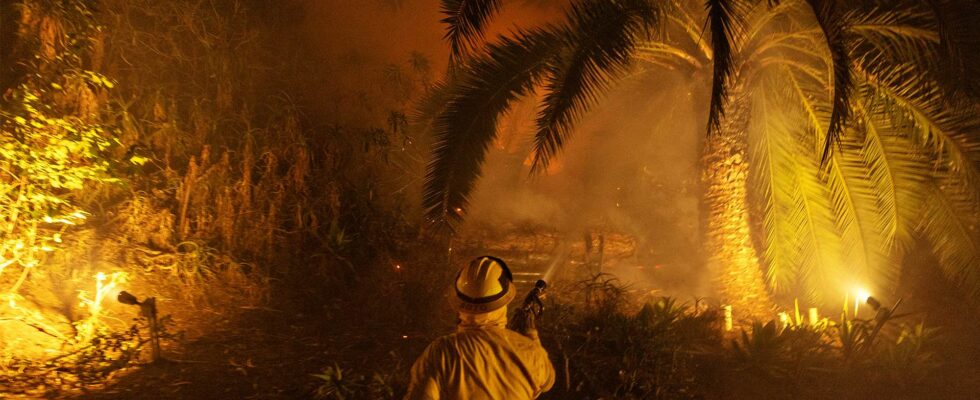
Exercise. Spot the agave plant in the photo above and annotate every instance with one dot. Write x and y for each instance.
(839, 120)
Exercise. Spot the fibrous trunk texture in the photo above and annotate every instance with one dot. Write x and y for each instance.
(732, 259)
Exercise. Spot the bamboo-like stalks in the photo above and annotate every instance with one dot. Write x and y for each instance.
(185, 198)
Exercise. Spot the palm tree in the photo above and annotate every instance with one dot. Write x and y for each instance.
(838, 118)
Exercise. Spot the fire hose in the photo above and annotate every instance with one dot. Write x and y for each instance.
(523, 320)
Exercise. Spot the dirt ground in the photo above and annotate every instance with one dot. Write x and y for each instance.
(265, 354)
(269, 351)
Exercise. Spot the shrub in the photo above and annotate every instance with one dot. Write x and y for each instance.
(602, 349)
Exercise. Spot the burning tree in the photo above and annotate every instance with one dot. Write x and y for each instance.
(841, 119)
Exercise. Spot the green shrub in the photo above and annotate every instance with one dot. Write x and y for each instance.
(339, 384)
(601, 349)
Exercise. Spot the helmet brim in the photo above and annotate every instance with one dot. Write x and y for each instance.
(461, 305)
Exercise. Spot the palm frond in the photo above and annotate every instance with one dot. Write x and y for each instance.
(677, 12)
(896, 35)
(833, 27)
(466, 127)
(956, 23)
(762, 16)
(666, 54)
(877, 168)
(796, 50)
(427, 109)
(897, 169)
(465, 23)
(951, 158)
(857, 213)
(818, 256)
(874, 190)
(601, 37)
(862, 195)
(950, 132)
(953, 240)
(771, 182)
(924, 142)
(726, 24)
(822, 210)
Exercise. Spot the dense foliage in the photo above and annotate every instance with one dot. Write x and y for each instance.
(53, 142)
(165, 126)
(605, 344)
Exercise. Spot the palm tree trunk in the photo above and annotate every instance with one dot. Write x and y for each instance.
(731, 259)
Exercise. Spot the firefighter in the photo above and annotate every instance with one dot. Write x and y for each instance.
(483, 359)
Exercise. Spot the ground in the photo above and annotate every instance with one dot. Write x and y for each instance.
(265, 353)
(244, 343)
(270, 350)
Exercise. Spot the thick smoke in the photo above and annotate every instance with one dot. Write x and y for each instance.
(630, 169)
(349, 51)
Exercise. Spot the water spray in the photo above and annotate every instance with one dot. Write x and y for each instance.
(560, 255)
(548, 273)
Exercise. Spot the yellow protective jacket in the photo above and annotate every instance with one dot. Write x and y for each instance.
(483, 360)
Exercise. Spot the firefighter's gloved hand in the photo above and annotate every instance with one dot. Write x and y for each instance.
(534, 302)
(525, 324)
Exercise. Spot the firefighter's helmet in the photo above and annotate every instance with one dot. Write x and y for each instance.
(484, 285)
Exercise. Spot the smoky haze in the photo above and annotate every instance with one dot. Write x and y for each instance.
(630, 168)
(347, 50)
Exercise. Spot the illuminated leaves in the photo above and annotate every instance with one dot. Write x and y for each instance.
(47, 153)
(52, 145)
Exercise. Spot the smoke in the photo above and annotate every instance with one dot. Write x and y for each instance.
(362, 58)
(631, 167)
